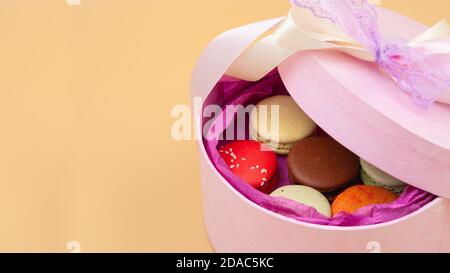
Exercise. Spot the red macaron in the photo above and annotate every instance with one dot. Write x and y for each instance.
(253, 162)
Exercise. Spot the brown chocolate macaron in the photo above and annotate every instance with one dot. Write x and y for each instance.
(323, 164)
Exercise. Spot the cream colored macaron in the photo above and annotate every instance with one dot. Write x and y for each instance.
(306, 196)
(282, 132)
(379, 175)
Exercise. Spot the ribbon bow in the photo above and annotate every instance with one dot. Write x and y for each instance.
(351, 26)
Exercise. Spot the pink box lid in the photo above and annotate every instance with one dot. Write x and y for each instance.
(354, 102)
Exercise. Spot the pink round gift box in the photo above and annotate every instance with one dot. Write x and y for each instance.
(410, 143)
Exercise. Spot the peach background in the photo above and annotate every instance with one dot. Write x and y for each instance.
(86, 94)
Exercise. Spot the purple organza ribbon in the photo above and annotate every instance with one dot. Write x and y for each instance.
(412, 69)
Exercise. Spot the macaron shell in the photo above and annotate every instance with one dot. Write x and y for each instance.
(360, 196)
(252, 162)
(367, 180)
(293, 123)
(331, 195)
(322, 163)
(269, 187)
(281, 149)
(306, 196)
(379, 175)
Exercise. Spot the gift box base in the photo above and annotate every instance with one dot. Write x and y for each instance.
(235, 224)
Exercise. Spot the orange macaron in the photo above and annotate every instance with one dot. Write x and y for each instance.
(360, 196)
